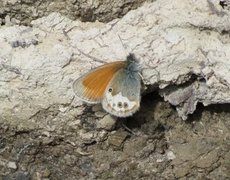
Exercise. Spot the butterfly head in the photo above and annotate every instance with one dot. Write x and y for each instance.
(132, 63)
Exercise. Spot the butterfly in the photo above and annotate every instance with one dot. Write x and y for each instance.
(115, 85)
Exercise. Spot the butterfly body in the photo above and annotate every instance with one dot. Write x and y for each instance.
(116, 85)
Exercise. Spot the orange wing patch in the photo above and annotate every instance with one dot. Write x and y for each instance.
(96, 82)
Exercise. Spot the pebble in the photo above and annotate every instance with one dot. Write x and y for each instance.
(100, 114)
(12, 165)
(7, 20)
(117, 139)
(46, 173)
(86, 136)
(170, 155)
(102, 135)
(97, 107)
(63, 109)
(108, 122)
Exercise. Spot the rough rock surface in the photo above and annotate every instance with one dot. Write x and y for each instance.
(24, 11)
(174, 47)
(183, 47)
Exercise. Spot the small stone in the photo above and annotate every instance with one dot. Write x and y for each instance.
(100, 114)
(160, 160)
(15, 21)
(77, 111)
(47, 140)
(75, 124)
(86, 136)
(7, 21)
(36, 176)
(170, 155)
(117, 139)
(46, 173)
(97, 107)
(108, 122)
(102, 135)
(46, 133)
(12, 165)
(86, 166)
(63, 109)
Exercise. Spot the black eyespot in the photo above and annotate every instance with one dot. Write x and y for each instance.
(125, 104)
(119, 104)
(110, 90)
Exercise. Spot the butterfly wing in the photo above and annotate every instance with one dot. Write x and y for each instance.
(91, 86)
(122, 95)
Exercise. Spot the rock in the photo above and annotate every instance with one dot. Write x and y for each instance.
(117, 139)
(199, 74)
(102, 135)
(86, 137)
(103, 11)
(46, 173)
(12, 165)
(7, 21)
(97, 108)
(100, 114)
(170, 155)
(108, 122)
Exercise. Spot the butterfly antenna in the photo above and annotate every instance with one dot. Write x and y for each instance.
(129, 56)
(126, 54)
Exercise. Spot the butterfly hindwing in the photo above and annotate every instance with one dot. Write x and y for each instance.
(122, 96)
(91, 86)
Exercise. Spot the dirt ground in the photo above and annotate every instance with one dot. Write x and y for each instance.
(153, 144)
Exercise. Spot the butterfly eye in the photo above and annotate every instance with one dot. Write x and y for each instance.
(110, 90)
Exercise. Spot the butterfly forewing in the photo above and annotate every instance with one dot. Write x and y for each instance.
(91, 86)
